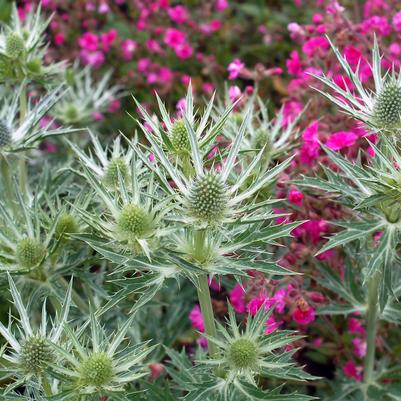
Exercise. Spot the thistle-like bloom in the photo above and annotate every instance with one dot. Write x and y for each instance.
(85, 97)
(107, 164)
(209, 196)
(131, 215)
(102, 364)
(31, 350)
(380, 110)
(23, 47)
(25, 241)
(17, 135)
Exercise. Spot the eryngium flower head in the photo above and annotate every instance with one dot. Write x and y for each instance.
(134, 221)
(67, 224)
(96, 370)
(14, 45)
(29, 252)
(207, 199)
(242, 353)
(117, 167)
(387, 109)
(179, 137)
(5, 134)
(35, 355)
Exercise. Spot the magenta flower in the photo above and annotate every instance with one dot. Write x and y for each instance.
(88, 41)
(196, 318)
(234, 92)
(178, 14)
(359, 347)
(221, 5)
(108, 38)
(313, 45)
(295, 196)
(303, 314)
(355, 326)
(234, 68)
(184, 51)
(352, 371)
(341, 139)
(237, 295)
(397, 22)
(174, 37)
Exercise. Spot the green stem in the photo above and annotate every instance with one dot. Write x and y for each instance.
(6, 175)
(23, 177)
(372, 323)
(46, 387)
(205, 302)
(82, 305)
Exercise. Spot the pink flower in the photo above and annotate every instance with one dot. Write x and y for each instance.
(303, 313)
(237, 298)
(234, 68)
(59, 39)
(221, 5)
(313, 45)
(359, 347)
(397, 22)
(184, 51)
(94, 59)
(355, 326)
(234, 92)
(271, 325)
(108, 39)
(178, 14)
(195, 316)
(295, 197)
(294, 65)
(377, 24)
(279, 300)
(174, 37)
(256, 303)
(88, 41)
(341, 139)
(128, 47)
(351, 370)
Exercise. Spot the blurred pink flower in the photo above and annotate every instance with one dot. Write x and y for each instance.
(237, 298)
(352, 371)
(174, 37)
(359, 345)
(341, 139)
(195, 316)
(88, 41)
(234, 68)
(295, 196)
(178, 14)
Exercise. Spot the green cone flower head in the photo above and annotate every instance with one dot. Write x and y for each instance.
(207, 199)
(96, 370)
(242, 353)
(29, 252)
(67, 224)
(5, 134)
(388, 106)
(15, 45)
(179, 137)
(134, 222)
(116, 166)
(35, 354)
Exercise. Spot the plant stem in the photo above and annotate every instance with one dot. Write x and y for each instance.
(23, 178)
(6, 176)
(205, 302)
(46, 387)
(372, 323)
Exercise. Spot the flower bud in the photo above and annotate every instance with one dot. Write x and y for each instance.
(207, 199)
(35, 355)
(29, 252)
(96, 370)
(34, 66)
(15, 45)
(179, 137)
(388, 106)
(134, 221)
(116, 166)
(5, 134)
(67, 224)
(242, 354)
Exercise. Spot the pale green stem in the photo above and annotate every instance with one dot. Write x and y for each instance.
(46, 387)
(372, 323)
(23, 177)
(205, 300)
(6, 175)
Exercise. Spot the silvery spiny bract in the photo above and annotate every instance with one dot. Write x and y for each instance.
(23, 48)
(85, 97)
(28, 350)
(380, 109)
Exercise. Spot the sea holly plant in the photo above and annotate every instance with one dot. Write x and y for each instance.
(370, 189)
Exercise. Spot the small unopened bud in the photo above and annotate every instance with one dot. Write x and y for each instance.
(35, 355)
(242, 353)
(29, 252)
(116, 167)
(179, 137)
(207, 199)
(15, 45)
(67, 224)
(96, 370)
(134, 221)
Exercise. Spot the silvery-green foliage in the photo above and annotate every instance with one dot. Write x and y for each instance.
(23, 47)
(85, 96)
